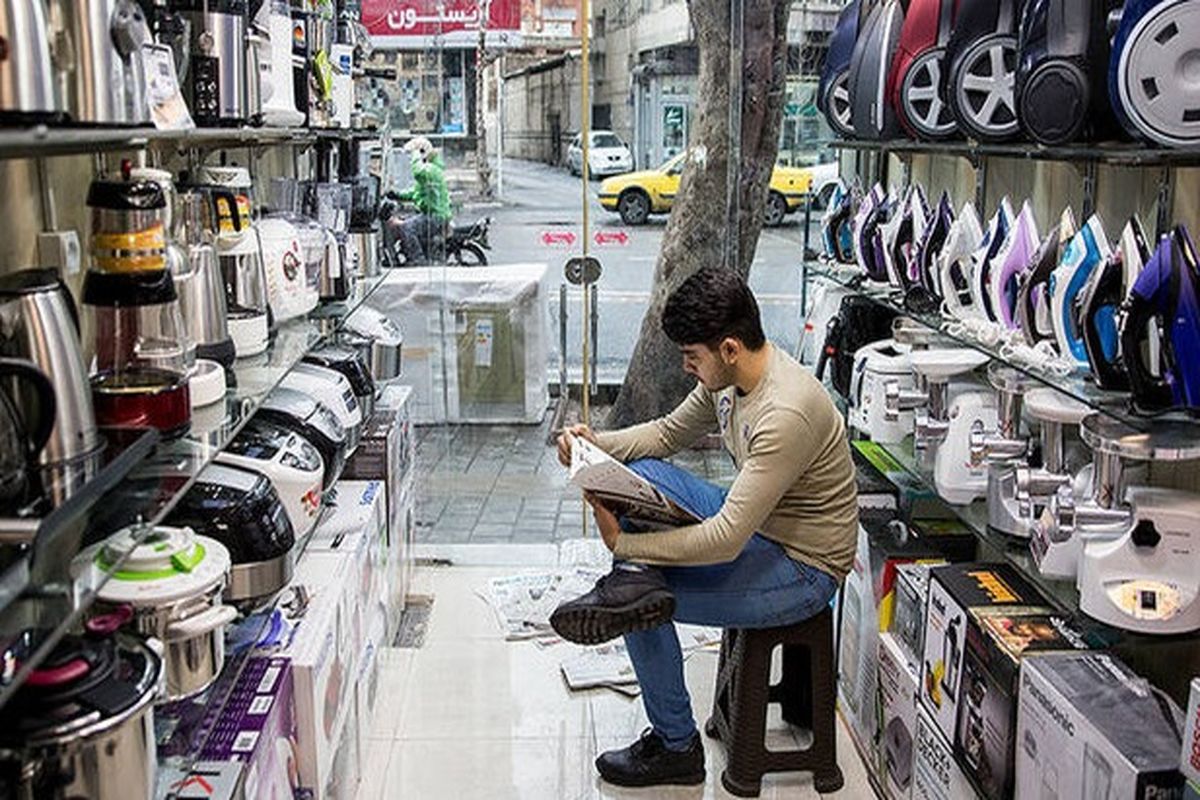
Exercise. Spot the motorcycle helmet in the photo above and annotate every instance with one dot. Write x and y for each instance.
(916, 85)
(982, 59)
(965, 237)
(1085, 252)
(1033, 297)
(833, 93)
(1063, 46)
(999, 230)
(1154, 47)
(1166, 294)
(1011, 265)
(871, 112)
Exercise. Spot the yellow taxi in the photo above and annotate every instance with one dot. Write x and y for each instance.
(637, 195)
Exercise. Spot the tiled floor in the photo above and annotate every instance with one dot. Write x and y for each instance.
(469, 715)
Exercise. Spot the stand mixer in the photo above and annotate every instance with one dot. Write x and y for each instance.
(1144, 577)
(1003, 450)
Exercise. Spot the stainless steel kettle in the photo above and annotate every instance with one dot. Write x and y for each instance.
(22, 437)
(200, 284)
(38, 323)
(26, 71)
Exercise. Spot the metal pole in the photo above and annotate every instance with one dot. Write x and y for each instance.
(595, 339)
(804, 256)
(500, 127)
(586, 120)
(564, 391)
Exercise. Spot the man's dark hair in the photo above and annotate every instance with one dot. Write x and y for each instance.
(711, 305)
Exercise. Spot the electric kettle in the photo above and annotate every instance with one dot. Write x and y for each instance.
(201, 287)
(22, 439)
(38, 323)
(27, 73)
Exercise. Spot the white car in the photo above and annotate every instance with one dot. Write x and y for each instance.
(824, 180)
(607, 155)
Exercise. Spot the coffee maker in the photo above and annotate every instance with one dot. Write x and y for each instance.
(216, 77)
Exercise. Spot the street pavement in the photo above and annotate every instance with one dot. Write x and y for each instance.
(540, 203)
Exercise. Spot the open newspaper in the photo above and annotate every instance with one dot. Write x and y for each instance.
(622, 490)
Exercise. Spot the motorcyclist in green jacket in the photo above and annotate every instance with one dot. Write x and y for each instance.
(430, 198)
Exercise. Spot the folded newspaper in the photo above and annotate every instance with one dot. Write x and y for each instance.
(608, 665)
(622, 490)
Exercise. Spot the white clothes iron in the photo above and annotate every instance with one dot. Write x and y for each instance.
(1010, 267)
(875, 365)
(1087, 250)
(1000, 228)
(953, 264)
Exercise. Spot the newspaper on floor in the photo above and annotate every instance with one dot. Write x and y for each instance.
(608, 665)
(523, 603)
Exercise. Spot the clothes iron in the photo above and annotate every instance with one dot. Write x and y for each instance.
(875, 366)
(1009, 267)
(1085, 252)
(1063, 48)
(954, 262)
(871, 112)
(833, 92)
(1002, 450)
(872, 212)
(1033, 295)
(837, 229)
(1147, 580)
(982, 59)
(1168, 290)
(999, 229)
(1099, 305)
(916, 86)
(900, 235)
(929, 249)
(1154, 47)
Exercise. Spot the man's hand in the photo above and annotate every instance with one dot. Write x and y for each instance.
(606, 521)
(565, 438)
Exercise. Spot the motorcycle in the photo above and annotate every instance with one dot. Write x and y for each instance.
(464, 245)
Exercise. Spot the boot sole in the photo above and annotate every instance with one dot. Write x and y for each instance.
(597, 625)
(694, 779)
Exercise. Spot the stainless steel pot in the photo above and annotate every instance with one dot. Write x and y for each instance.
(26, 73)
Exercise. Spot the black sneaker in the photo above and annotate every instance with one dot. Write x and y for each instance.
(624, 600)
(648, 762)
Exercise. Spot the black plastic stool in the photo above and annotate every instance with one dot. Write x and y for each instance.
(806, 692)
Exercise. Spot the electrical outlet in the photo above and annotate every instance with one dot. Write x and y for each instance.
(60, 249)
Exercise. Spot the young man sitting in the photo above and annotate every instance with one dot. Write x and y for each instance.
(770, 551)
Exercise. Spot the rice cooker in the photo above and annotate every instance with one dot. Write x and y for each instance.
(353, 366)
(313, 420)
(288, 289)
(379, 340)
(242, 510)
(292, 464)
(82, 724)
(332, 389)
(173, 580)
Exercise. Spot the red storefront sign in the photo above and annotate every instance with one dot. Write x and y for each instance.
(392, 19)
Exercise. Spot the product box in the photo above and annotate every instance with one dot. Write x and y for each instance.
(206, 780)
(894, 543)
(875, 492)
(357, 526)
(954, 590)
(936, 775)
(346, 771)
(403, 563)
(257, 727)
(318, 607)
(859, 647)
(908, 621)
(1189, 759)
(997, 641)
(1087, 726)
(913, 497)
(899, 680)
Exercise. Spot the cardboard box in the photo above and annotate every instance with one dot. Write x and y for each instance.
(997, 641)
(908, 621)
(257, 727)
(206, 780)
(954, 590)
(1087, 726)
(402, 563)
(1189, 758)
(357, 526)
(859, 643)
(936, 775)
(320, 610)
(345, 773)
(899, 679)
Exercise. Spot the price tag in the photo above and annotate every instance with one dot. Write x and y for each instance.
(167, 108)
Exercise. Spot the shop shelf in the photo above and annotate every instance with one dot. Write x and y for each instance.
(57, 601)
(1114, 153)
(1077, 385)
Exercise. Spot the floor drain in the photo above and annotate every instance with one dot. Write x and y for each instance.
(414, 622)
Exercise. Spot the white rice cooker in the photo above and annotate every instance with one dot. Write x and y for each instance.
(334, 391)
(289, 461)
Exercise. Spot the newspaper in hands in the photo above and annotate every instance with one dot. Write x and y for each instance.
(622, 490)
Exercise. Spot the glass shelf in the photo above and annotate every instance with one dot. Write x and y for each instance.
(1077, 385)
(44, 141)
(1123, 154)
(57, 600)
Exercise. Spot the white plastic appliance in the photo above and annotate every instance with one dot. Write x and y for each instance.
(1000, 228)
(278, 95)
(964, 238)
(290, 462)
(288, 290)
(875, 365)
(333, 390)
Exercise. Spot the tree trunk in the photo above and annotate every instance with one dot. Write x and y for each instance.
(483, 167)
(654, 382)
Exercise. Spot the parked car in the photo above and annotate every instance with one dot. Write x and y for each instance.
(607, 155)
(639, 194)
(824, 181)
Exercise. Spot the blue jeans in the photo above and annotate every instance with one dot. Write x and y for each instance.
(761, 588)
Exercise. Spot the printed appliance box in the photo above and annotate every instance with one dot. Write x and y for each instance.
(257, 727)
(898, 682)
(954, 590)
(1087, 726)
(319, 605)
(997, 641)
(207, 780)
(936, 775)
(908, 621)
(859, 643)
(1189, 759)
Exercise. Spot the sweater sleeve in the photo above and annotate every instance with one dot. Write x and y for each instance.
(665, 436)
(781, 450)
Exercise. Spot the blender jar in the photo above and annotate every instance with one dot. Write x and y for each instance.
(128, 225)
(140, 369)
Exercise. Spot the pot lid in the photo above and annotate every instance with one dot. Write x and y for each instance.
(125, 289)
(126, 195)
(29, 281)
(228, 176)
(87, 684)
(169, 564)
